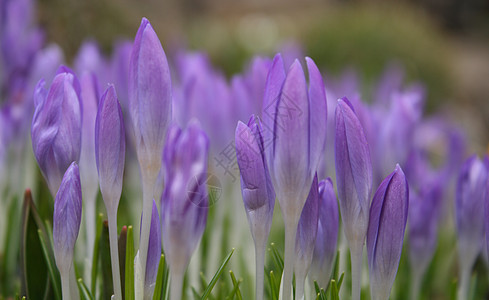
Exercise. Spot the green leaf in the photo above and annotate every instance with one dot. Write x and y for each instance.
(277, 258)
(334, 290)
(121, 246)
(129, 288)
(32, 259)
(51, 265)
(274, 287)
(160, 278)
(96, 253)
(11, 251)
(340, 281)
(108, 286)
(235, 290)
(214, 279)
(84, 292)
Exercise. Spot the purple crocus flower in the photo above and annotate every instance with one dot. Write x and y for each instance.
(387, 223)
(486, 203)
(150, 102)
(110, 150)
(294, 120)
(154, 253)
(56, 128)
(470, 196)
(184, 203)
(306, 238)
(327, 235)
(354, 182)
(66, 224)
(257, 190)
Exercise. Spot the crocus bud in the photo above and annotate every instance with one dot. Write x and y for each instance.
(388, 217)
(471, 188)
(154, 253)
(306, 237)
(353, 172)
(295, 124)
(184, 203)
(110, 148)
(56, 128)
(149, 98)
(67, 218)
(327, 235)
(256, 186)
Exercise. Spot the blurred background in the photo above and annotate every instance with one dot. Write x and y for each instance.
(441, 43)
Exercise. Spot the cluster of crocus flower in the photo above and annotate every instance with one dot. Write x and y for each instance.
(315, 146)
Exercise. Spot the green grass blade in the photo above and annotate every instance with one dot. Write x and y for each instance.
(84, 292)
(236, 291)
(274, 287)
(129, 288)
(52, 270)
(159, 279)
(214, 279)
(96, 251)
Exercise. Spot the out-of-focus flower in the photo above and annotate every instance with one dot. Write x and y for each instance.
(327, 235)
(469, 215)
(294, 120)
(388, 217)
(184, 203)
(56, 128)
(66, 220)
(354, 182)
(306, 238)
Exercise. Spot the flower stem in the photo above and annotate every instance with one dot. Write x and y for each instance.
(176, 282)
(90, 226)
(415, 285)
(148, 187)
(289, 255)
(114, 254)
(463, 289)
(65, 286)
(260, 248)
(356, 270)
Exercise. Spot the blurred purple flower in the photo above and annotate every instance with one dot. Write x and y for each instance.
(154, 252)
(387, 223)
(327, 235)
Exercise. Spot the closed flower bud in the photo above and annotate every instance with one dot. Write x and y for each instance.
(387, 223)
(56, 128)
(67, 218)
(110, 148)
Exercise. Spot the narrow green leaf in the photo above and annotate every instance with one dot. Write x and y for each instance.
(453, 290)
(121, 246)
(277, 258)
(274, 287)
(214, 279)
(11, 251)
(108, 285)
(129, 288)
(84, 292)
(340, 281)
(96, 253)
(194, 292)
(236, 283)
(316, 287)
(159, 279)
(51, 265)
(334, 291)
(32, 259)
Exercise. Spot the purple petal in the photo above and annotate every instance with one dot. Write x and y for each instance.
(387, 223)
(154, 248)
(353, 170)
(67, 218)
(327, 234)
(110, 148)
(308, 226)
(149, 92)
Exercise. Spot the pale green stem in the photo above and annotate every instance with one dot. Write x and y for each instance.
(148, 187)
(260, 249)
(75, 293)
(289, 255)
(90, 227)
(300, 280)
(65, 286)
(356, 270)
(463, 289)
(114, 254)
(176, 282)
(415, 284)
